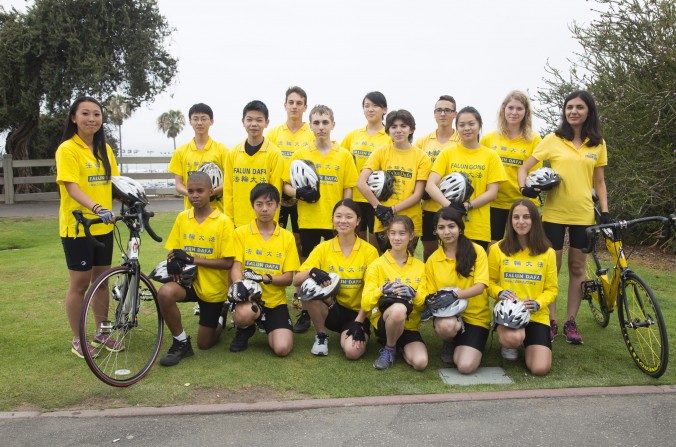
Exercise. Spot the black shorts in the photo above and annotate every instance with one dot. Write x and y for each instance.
(577, 238)
(537, 334)
(428, 226)
(310, 238)
(276, 318)
(473, 336)
(498, 223)
(368, 217)
(340, 317)
(82, 254)
(209, 312)
(289, 211)
(405, 338)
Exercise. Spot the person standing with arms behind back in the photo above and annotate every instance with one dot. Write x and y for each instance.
(577, 153)
(84, 165)
(432, 144)
(514, 142)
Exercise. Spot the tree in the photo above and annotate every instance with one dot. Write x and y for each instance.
(60, 49)
(628, 62)
(171, 123)
(118, 110)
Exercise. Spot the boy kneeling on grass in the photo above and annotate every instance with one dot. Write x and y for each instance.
(265, 253)
(202, 236)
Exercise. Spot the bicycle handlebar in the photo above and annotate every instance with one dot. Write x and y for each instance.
(142, 216)
(667, 228)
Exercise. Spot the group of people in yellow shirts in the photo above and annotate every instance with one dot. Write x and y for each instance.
(494, 243)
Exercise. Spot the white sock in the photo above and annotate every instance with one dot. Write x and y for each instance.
(181, 337)
(220, 320)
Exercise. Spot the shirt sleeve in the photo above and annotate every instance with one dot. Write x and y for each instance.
(551, 286)
(313, 261)
(441, 163)
(481, 267)
(239, 246)
(174, 239)
(374, 161)
(496, 170)
(176, 163)
(603, 155)
(227, 248)
(351, 174)
(420, 294)
(291, 260)
(543, 150)
(114, 168)
(276, 166)
(494, 287)
(347, 141)
(424, 167)
(67, 166)
(228, 206)
(372, 288)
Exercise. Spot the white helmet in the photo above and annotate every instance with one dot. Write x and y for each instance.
(455, 308)
(310, 290)
(160, 274)
(456, 187)
(382, 184)
(214, 173)
(254, 289)
(511, 313)
(127, 190)
(303, 173)
(543, 179)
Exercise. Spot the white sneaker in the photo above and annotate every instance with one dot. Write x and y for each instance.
(196, 309)
(321, 345)
(510, 354)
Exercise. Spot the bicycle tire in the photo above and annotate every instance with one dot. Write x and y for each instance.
(647, 345)
(134, 337)
(592, 292)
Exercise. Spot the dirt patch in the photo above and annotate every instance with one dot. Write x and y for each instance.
(242, 395)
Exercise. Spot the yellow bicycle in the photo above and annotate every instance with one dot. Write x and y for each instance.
(640, 318)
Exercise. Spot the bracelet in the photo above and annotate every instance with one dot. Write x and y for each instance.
(95, 208)
(269, 281)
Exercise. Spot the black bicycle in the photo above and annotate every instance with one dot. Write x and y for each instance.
(120, 316)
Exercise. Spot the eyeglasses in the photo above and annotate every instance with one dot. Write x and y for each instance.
(439, 111)
(200, 119)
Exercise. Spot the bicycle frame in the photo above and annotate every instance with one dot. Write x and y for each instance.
(611, 286)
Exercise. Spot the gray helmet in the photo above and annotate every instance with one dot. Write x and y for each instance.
(382, 184)
(511, 313)
(310, 290)
(456, 187)
(303, 173)
(127, 190)
(544, 179)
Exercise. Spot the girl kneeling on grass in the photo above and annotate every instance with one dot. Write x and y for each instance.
(460, 264)
(523, 266)
(394, 295)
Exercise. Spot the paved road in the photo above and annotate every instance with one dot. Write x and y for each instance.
(578, 421)
(51, 208)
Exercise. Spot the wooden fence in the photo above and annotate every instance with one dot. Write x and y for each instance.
(9, 181)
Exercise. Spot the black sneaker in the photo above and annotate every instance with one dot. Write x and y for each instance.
(241, 340)
(303, 323)
(178, 351)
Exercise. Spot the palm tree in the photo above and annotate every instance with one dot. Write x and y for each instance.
(171, 123)
(118, 109)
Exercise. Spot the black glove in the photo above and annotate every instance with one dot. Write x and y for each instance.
(253, 276)
(175, 266)
(605, 217)
(384, 214)
(529, 191)
(105, 215)
(441, 299)
(426, 196)
(356, 330)
(459, 207)
(319, 275)
(307, 194)
(182, 256)
(238, 292)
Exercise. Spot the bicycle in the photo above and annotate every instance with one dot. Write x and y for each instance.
(120, 316)
(640, 318)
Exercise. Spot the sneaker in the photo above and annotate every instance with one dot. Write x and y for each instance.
(447, 349)
(571, 334)
(196, 309)
(553, 329)
(76, 349)
(510, 354)
(241, 340)
(302, 323)
(178, 351)
(385, 358)
(106, 341)
(321, 345)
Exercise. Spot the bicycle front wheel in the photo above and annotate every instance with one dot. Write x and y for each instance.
(122, 323)
(642, 326)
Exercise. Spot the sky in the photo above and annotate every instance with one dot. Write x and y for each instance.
(231, 52)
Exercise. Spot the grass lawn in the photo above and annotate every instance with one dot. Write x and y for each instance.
(39, 372)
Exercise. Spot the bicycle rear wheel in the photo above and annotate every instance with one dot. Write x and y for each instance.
(121, 320)
(592, 292)
(642, 326)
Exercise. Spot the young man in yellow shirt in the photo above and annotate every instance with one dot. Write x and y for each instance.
(202, 236)
(255, 160)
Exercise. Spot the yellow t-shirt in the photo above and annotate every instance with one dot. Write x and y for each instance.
(482, 166)
(329, 257)
(289, 142)
(275, 256)
(361, 145)
(441, 273)
(529, 277)
(570, 203)
(188, 158)
(432, 147)
(336, 172)
(243, 172)
(211, 239)
(75, 163)
(408, 167)
(512, 152)
(386, 269)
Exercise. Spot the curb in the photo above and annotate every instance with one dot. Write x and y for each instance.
(311, 404)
